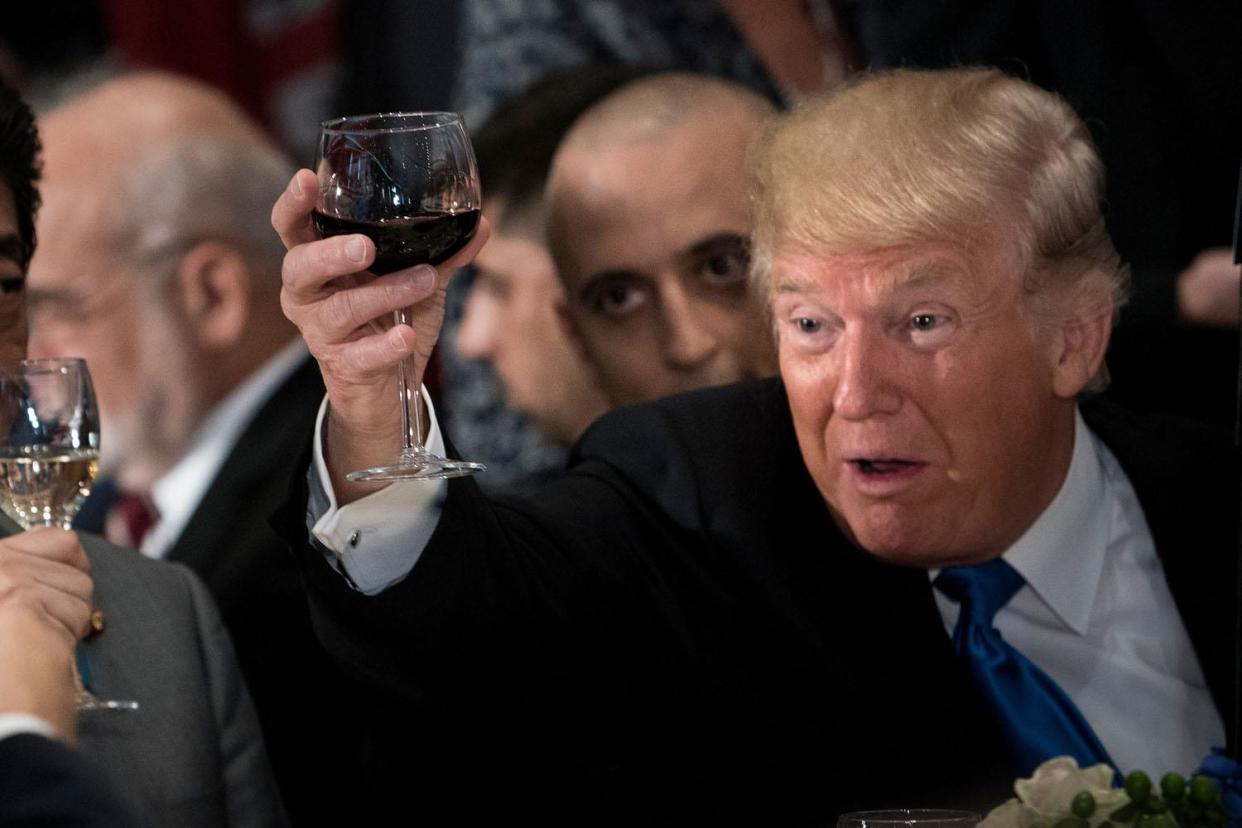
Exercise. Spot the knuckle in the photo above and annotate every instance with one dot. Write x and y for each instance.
(289, 270)
(340, 311)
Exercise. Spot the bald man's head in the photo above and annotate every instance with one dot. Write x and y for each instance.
(156, 156)
(648, 107)
(648, 225)
(160, 266)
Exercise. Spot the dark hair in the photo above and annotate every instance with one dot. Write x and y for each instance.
(515, 146)
(19, 164)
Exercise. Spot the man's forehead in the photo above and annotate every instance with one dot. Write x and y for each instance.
(891, 269)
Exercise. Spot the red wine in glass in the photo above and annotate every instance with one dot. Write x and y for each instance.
(409, 182)
(405, 241)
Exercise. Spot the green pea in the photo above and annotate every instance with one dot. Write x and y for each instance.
(1083, 804)
(1138, 787)
(1202, 790)
(1173, 785)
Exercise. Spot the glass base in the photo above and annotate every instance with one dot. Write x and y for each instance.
(422, 467)
(88, 701)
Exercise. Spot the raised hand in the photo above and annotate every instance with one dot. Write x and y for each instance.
(343, 312)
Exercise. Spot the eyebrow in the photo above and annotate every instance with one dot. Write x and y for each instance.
(925, 274)
(592, 282)
(708, 244)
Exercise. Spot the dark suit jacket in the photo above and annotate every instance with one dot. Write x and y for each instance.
(300, 694)
(192, 754)
(43, 783)
(677, 632)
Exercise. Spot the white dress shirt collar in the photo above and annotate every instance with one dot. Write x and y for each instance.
(177, 493)
(1062, 554)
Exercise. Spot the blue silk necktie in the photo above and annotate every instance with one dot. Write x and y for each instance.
(1038, 719)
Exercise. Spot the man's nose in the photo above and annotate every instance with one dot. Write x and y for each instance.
(476, 338)
(40, 346)
(688, 341)
(866, 377)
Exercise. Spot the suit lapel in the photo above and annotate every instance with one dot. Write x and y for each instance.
(265, 452)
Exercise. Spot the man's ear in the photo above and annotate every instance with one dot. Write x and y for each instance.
(213, 281)
(1082, 340)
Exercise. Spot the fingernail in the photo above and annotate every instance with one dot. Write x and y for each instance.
(296, 186)
(423, 277)
(355, 249)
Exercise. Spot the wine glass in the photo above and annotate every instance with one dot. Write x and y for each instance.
(49, 454)
(408, 181)
(910, 818)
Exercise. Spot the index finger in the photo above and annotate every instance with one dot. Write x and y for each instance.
(50, 543)
(291, 212)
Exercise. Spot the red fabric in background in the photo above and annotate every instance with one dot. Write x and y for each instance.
(255, 50)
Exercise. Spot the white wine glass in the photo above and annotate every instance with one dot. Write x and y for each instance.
(49, 454)
(408, 181)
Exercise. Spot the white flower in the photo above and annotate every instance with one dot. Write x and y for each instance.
(1045, 798)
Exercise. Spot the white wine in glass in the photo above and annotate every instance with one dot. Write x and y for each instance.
(49, 454)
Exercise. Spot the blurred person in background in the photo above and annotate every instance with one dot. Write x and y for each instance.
(786, 50)
(648, 227)
(158, 269)
(192, 754)
(511, 317)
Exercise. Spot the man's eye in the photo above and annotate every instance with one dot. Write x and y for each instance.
(930, 330)
(809, 326)
(616, 299)
(726, 267)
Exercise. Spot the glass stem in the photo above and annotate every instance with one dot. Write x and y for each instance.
(411, 427)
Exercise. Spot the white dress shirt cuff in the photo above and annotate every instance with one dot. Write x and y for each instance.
(376, 540)
(13, 724)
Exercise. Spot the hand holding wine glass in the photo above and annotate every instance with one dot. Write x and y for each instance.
(45, 606)
(342, 307)
(49, 453)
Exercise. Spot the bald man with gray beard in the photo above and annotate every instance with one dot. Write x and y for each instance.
(159, 267)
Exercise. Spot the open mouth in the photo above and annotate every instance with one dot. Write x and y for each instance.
(884, 466)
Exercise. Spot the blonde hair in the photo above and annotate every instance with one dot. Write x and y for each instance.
(959, 156)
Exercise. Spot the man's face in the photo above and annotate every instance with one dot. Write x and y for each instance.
(922, 396)
(87, 301)
(655, 261)
(12, 286)
(511, 319)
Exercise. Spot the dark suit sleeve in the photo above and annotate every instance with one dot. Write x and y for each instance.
(590, 577)
(44, 783)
